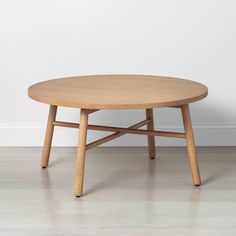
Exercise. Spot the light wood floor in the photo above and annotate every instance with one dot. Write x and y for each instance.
(125, 193)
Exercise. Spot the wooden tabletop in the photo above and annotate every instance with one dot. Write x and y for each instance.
(117, 91)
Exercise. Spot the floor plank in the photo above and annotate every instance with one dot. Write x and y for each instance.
(125, 193)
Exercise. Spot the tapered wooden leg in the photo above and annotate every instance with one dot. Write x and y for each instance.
(48, 136)
(81, 150)
(191, 145)
(151, 139)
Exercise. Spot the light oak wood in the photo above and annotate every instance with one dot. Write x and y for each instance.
(118, 91)
(80, 162)
(151, 139)
(191, 145)
(128, 130)
(92, 93)
(116, 135)
(98, 127)
(48, 136)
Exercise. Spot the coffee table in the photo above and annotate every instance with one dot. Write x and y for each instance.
(98, 92)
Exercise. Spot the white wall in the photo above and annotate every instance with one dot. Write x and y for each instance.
(44, 39)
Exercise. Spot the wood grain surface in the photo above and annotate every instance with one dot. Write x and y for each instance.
(117, 91)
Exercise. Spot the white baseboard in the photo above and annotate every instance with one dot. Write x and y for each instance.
(33, 135)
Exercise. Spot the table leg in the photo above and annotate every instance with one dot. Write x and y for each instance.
(48, 136)
(151, 138)
(191, 145)
(81, 151)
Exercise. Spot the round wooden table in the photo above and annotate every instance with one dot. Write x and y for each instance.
(93, 93)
